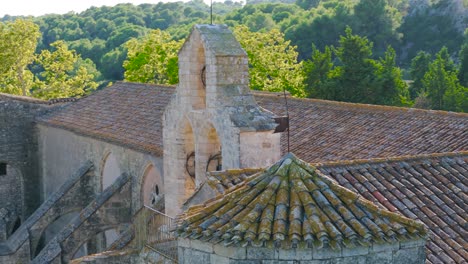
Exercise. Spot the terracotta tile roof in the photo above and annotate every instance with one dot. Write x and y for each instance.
(328, 131)
(223, 180)
(127, 114)
(33, 100)
(430, 188)
(291, 204)
(130, 114)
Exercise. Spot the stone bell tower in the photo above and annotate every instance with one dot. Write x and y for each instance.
(213, 121)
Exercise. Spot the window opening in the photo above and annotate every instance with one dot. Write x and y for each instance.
(3, 168)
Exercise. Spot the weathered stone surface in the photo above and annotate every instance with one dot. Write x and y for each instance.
(19, 151)
(202, 246)
(414, 255)
(230, 252)
(199, 257)
(210, 112)
(260, 253)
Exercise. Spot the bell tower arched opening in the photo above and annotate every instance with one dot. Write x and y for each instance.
(208, 154)
(189, 150)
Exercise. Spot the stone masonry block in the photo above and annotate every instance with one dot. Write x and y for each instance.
(325, 253)
(245, 261)
(384, 247)
(230, 252)
(216, 259)
(183, 242)
(294, 254)
(357, 251)
(384, 257)
(202, 246)
(199, 257)
(351, 260)
(413, 243)
(409, 255)
(269, 261)
(260, 253)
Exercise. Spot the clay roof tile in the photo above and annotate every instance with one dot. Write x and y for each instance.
(290, 203)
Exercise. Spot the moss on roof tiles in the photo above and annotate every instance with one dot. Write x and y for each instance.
(291, 204)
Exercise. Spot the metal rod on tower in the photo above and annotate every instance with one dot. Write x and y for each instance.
(211, 12)
(287, 112)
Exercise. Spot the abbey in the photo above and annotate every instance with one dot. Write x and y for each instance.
(205, 172)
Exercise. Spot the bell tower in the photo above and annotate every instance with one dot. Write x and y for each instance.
(213, 121)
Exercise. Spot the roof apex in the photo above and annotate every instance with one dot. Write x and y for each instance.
(290, 204)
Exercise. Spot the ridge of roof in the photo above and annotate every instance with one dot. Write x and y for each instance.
(152, 85)
(358, 105)
(291, 204)
(353, 162)
(36, 100)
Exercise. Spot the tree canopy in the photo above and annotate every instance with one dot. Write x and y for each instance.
(50, 74)
(152, 59)
(405, 37)
(273, 61)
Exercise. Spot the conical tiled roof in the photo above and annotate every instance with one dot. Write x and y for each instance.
(290, 204)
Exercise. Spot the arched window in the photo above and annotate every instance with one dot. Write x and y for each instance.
(110, 171)
(152, 186)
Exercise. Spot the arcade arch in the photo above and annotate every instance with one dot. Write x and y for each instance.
(110, 170)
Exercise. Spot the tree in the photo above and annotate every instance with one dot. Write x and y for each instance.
(463, 68)
(358, 78)
(18, 41)
(442, 86)
(62, 76)
(152, 59)
(355, 80)
(111, 63)
(307, 4)
(392, 88)
(273, 61)
(378, 21)
(316, 72)
(321, 26)
(419, 67)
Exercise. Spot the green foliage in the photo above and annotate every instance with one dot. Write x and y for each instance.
(463, 69)
(392, 90)
(320, 26)
(419, 67)
(378, 21)
(100, 33)
(63, 75)
(152, 59)
(358, 78)
(355, 80)
(273, 61)
(307, 4)
(442, 86)
(18, 42)
(316, 72)
(430, 27)
(112, 63)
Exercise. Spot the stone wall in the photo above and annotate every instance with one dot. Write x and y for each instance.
(64, 151)
(22, 255)
(19, 188)
(197, 252)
